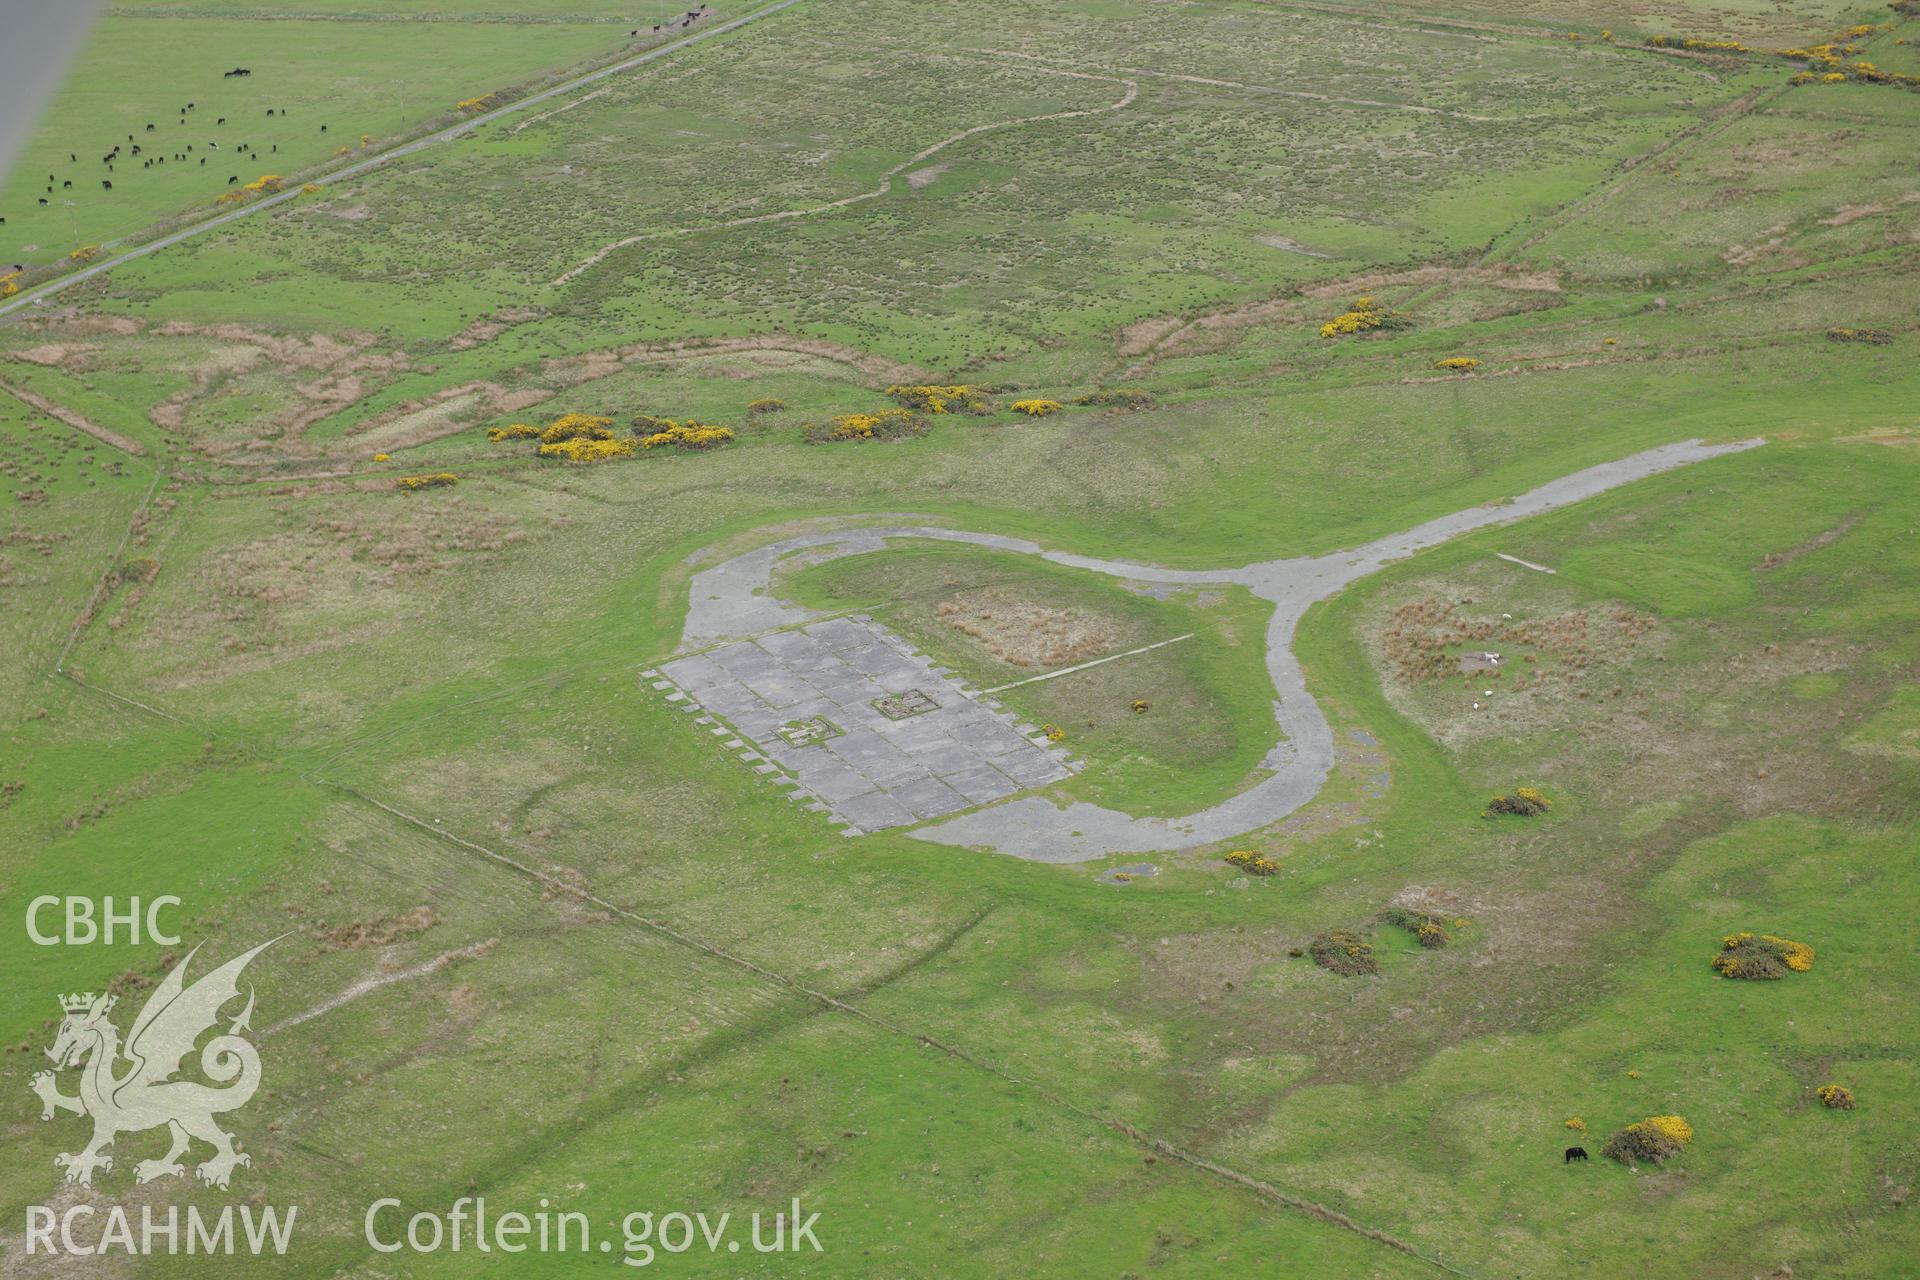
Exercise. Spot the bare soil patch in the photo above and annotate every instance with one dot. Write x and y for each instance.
(1024, 634)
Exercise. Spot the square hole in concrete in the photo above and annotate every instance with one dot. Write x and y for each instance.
(810, 732)
(901, 705)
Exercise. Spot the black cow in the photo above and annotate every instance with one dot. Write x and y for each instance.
(1574, 1153)
(43, 202)
(323, 128)
(136, 151)
(105, 185)
(72, 158)
(235, 178)
(221, 120)
(269, 110)
(66, 186)
(149, 127)
(203, 162)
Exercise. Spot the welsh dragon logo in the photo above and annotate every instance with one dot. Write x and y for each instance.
(144, 1095)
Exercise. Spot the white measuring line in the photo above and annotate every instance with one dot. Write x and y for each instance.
(1526, 564)
(1067, 671)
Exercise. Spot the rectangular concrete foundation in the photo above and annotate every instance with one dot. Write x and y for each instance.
(946, 752)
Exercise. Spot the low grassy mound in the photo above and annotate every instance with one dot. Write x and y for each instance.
(1761, 956)
(1343, 952)
(1654, 1140)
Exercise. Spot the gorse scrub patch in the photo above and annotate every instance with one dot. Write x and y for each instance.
(588, 449)
(1654, 1140)
(1521, 802)
(586, 437)
(1253, 863)
(1344, 952)
(1428, 930)
(691, 434)
(766, 404)
(1366, 313)
(1457, 364)
(881, 424)
(1761, 957)
(1835, 1097)
(1036, 408)
(438, 480)
(959, 398)
(1872, 337)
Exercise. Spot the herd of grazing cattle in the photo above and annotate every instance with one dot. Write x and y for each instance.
(187, 154)
(687, 19)
(129, 151)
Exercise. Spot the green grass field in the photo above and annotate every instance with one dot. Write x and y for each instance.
(543, 937)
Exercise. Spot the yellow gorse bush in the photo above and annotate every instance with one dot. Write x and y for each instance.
(85, 253)
(577, 426)
(1253, 863)
(690, 434)
(959, 398)
(1655, 1140)
(265, 182)
(880, 424)
(588, 449)
(1366, 313)
(1836, 1096)
(9, 284)
(1036, 408)
(1673, 1128)
(860, 426)
(438, 480)
(517, 431)
(1457, 364)
(1755, 955)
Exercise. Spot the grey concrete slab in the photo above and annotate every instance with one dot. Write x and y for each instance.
(878, 772)
(981, 784)
(930, 798)
(874, 811)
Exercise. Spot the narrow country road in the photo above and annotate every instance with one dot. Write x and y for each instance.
(29, 297)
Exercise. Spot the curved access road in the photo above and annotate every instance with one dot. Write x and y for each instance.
(734, 600)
